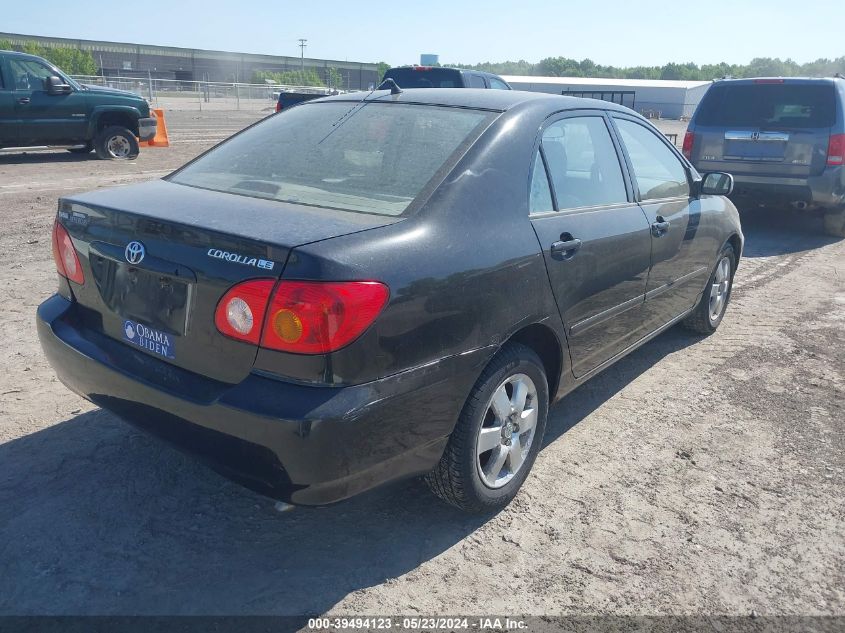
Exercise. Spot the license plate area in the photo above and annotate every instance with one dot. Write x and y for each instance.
(760, 146)
(157, 295)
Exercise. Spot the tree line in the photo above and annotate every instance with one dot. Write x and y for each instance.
(73, 61)
(757, 67)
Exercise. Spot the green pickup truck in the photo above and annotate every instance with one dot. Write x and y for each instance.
(41, 106)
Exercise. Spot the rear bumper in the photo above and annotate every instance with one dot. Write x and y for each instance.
(301, 444)
(826, 190)
(147, 128)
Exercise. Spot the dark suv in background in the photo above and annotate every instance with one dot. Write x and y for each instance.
(439, 77)
(782, 139)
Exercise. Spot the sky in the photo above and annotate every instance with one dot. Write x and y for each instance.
(611, 32)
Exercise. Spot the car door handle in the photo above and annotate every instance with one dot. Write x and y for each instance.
(23, 100)
(566, 247)
(660, 228)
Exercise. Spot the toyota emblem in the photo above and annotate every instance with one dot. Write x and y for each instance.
(135, 252)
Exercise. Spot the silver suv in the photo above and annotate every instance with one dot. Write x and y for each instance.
(783, 139)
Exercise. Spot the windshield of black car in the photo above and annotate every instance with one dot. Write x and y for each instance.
(787, 105)
(371, 158)
(425, 77)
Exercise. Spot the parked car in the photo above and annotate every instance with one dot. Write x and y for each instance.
(365, 288)
(441, 77)
(290, 98)
(42, 106)
(782, 139)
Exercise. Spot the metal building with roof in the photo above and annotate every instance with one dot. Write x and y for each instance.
(658, 98)
(193, 64)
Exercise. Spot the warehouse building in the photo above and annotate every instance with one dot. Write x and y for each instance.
(189, 64)
(652, 97)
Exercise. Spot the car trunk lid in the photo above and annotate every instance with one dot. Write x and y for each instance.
(161, 255)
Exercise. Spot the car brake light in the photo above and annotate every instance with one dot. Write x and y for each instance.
(311, 317)
(422, 68)
(836, 150)
(240, 313)
(689, 139)
(64, 254)
(278, 106)
(768, 81)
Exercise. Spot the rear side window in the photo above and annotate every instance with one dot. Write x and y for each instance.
(497, 84)
(764, 105)
(372, 158)
(583, 163)
(658, 172)
(425, 77)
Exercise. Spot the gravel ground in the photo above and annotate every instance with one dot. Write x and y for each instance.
(697, 476)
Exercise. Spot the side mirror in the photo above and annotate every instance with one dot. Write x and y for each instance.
(56, 86)
(717, 183)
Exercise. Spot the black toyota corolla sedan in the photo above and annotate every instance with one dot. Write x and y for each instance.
(371, 287)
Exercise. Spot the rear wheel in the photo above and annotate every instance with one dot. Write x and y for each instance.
(498, 434)
(708, 314)
(834, 222)
(116, 143)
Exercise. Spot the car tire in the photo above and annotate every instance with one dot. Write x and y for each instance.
(708, 313)
(478, 480)
(89, 147)
(834, 222)
(116, 143)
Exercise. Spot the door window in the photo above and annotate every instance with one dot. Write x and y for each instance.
(28, 74)
(658, 171)
(496, 84)
(541, 194)
(583, 163)
(476, 81)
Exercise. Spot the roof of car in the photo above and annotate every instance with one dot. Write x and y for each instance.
(773, 80)
(499, 100)
(19, 54)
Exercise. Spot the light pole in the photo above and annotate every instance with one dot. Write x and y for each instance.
(302, 45)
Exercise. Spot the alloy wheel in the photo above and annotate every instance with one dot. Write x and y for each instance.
(720, 289)
(507, 431)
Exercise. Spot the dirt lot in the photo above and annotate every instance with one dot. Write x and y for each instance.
(695, 476)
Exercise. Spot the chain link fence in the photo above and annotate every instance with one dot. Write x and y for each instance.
(174, 94)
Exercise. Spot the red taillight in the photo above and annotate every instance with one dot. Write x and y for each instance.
(310, 317)
(689, 139)
(278, 106)
(240, 313)
(64, 254)
(836, 150)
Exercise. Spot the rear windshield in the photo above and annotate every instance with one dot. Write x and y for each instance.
(768, 105)
(372, 158)
(425, 78)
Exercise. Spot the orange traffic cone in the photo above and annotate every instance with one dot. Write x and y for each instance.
(161, 138)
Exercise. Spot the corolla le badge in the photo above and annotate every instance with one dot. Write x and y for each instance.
(135, 252)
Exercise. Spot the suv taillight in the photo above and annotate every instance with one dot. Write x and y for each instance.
(64, 254)
(302, 317)
(278, 106)
(836, 150)
(689, 139)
